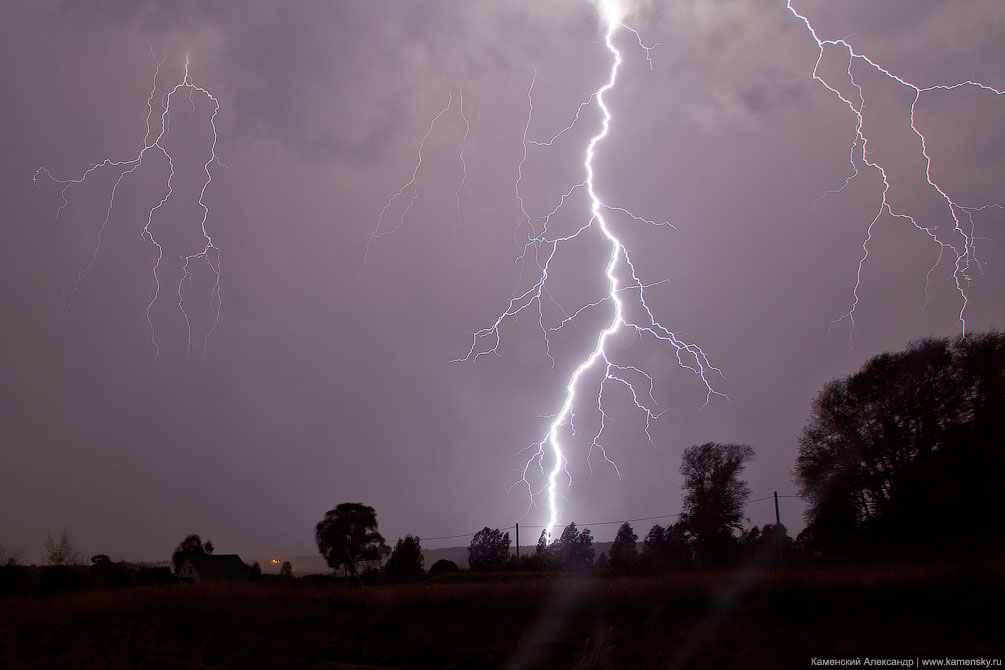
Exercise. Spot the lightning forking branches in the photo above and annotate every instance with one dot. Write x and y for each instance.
(541, 245)
(547, 456)
(203, 252)
(958, 244)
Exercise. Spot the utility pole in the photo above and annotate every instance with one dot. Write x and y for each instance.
(518, 543)
(778, 527)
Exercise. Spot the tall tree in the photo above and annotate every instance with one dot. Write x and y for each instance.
(624, 549)
(714, 498)
(668, 547)
(573, 550)
(541, 558)
(767, 545)
(192, 545)
(542, 544)
(59, 553)
(406, 559)
(905, 453)
(348, 534)
(655, 540)
(489, 549)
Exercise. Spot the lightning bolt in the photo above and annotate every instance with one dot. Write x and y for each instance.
(206, 252)
(548, 455)
(959, 243)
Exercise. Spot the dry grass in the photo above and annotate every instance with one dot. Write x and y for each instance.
(725, 619)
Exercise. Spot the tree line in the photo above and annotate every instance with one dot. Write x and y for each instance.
(706, 534)
(903, 458)
(898, 460)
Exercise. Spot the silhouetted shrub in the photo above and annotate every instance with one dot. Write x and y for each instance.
(406, 559)
(443, 566)
(104, 573)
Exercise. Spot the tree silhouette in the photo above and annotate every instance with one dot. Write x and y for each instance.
(540, 559)
(767, 545)
(573, 550)
(9, 557)
(192, 545)
(666, 548)
(59, 553)
(104, 572)
(655, 541)
(406, 559)
(905, 455)
(348, 534)
(541, 549)
(442, 567)
(714, 498)
(489, 550)
(624, 549)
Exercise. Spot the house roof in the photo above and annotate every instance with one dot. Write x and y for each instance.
(219, 565)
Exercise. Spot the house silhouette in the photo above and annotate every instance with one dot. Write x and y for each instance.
(210, 567)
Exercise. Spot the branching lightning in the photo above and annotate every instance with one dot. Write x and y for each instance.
(548, 455)
(958, 243)
(409, 191)
(206, 252)
(541, 246)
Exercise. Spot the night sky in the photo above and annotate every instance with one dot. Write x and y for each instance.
(327, 381)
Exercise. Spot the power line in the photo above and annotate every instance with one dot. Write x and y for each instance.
(596, 523)
(298, 559)
(588, 523)
(452, 537)
(607, 523)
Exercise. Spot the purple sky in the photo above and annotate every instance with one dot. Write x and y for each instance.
(322, 384)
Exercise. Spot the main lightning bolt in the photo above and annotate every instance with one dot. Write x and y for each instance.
(959, 243)
(548, 455)
(206, 252)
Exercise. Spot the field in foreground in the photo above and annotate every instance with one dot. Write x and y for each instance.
(518, 620)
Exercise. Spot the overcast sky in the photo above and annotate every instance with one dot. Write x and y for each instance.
(323, 383)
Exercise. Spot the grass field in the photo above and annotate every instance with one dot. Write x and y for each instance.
(746, 619)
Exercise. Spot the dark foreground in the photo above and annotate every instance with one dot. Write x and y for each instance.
(519, 620)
